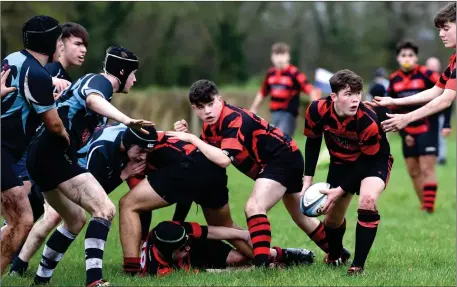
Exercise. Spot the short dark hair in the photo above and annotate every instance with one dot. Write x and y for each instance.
(280, 48)
(407, 44)
(74, 29)
(445, 14)
(344, 78)
(202, 92)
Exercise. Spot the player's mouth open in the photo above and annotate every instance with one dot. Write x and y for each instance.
(81, 58)
(209, 119)
(353, 108)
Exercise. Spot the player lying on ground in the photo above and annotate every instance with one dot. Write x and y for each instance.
(113, 155)
(23, 111)
(360, 164)
(172, 165)
(442, 94)
(184, 245)
(68, 188)
(234, 135)
(70, 51)
(420, 138)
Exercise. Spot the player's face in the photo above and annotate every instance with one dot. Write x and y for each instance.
(346, 102)
(280, 60)
(136, 154)
(74, 50)
(181, 253)
(130, 81)
(211, 111)
(447, 35)
(407, 59)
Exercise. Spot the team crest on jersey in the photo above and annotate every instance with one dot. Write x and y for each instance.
(85, 136)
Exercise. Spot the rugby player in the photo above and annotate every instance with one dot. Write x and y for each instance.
(68, 188)
(284, 82)
(419, 138)
(360, 163)
(442, 94)
(23, 110)
(261, 151)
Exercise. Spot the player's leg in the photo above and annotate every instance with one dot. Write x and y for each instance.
(35, 239)
(141, 198)
(74, 219)
(410, 153)
(428, 152)
(86, 191)
(265, 195)
(15, 208)
(335, 227)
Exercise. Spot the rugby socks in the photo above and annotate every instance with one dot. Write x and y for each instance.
(365, 233)
(53, 252)
(94, 244)
(335, 240)
(429, 196)
(131, 265)
(259, 228)
(19, 266)
(319, 237)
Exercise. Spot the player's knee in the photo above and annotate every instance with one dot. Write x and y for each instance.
(414, 171)
(108, 211)
(428, 171)
(236, 258)
(367, 202)
(52, 219)
(253, 208)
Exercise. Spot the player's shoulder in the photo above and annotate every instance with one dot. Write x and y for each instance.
(452, 60)
(293, 69)
(231, 112)
(424, 70)
(98, 83)
(53, 68)
(320, 106)
(367, 113)
(271, 70)
(394, 75)
(36, 72)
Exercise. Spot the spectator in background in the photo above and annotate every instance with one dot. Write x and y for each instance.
(434, 64)
(378, 88)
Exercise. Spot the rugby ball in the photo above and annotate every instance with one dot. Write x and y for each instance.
(312, 201)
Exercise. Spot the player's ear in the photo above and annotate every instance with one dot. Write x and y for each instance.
(333, 96)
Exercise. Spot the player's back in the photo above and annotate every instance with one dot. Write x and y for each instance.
(56, 69)
(20, 108)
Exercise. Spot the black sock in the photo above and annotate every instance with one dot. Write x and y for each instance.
(53, 252)
(335, 240)
(19, 266)
(96, 234)
(365, 233)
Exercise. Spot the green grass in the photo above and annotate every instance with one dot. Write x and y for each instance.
(411, 248)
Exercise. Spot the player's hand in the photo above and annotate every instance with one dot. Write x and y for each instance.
(333, 194)
(409, 141)
(133, 168)
(445, 132)
(253, 110)
(381, 102)
(396, 122)
(138, 125)
(182, 136)
(4, 89)
(181, 126)
(60, 84)
(307, 182)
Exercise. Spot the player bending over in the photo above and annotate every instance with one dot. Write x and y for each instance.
(68, 188)
(442, 94)
(360, 163)
(261, 151)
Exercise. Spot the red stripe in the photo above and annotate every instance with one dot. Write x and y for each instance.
(261, 250)
(428, 205)
(417, 130)
(372, 224)
(196, 229)
(261, 238)
(261, 227)
(429, 192)
(257, 220)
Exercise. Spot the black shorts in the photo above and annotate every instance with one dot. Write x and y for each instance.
(206, 253)
(337, 173)
(10, 176)
(50, 161)
(424, 144)
(287, 168)
(194, 179)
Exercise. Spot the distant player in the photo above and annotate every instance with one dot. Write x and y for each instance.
(70, 189)
(23, 111)
(174, 246)
(378, 88)
(419, 138)
(360, 164)
(259, 150)
(284, 82)
(442, 94)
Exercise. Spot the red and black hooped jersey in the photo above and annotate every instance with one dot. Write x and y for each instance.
(447, 79)
(346, 138)
(250, 141)
(403, 85)
(168, 151)
(285, 86)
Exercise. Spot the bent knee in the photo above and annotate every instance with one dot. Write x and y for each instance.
(107, 211)
(253, 208)
(235, 258)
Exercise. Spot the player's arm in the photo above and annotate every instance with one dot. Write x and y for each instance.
(447, 113)
(307, 87)
(198, 231)
(261, 94)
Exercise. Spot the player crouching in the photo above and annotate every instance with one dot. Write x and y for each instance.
(184, 245)
(360, 164)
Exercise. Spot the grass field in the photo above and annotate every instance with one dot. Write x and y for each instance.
(411, 248)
